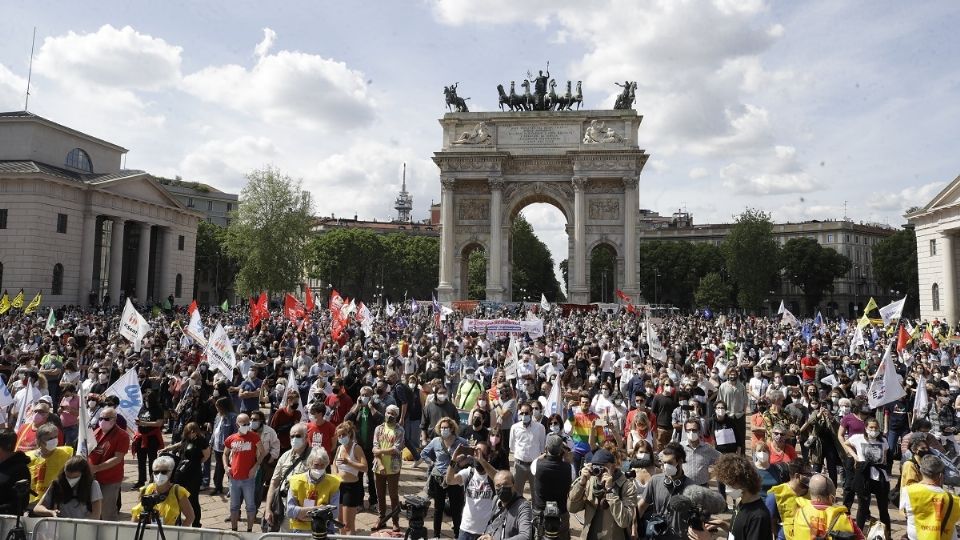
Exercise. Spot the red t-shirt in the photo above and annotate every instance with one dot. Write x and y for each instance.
(341, 404)
(809, 367)
(243, 454)
(321, 435)
(788, 455)
(109, 444)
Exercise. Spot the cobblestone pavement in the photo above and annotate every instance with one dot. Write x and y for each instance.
(412, 480)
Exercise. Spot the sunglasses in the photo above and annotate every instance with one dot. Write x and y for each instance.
(161, 471)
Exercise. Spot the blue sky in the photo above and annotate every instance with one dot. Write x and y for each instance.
(799, 108)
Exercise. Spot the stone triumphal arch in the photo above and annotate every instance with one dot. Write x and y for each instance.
(493, 164)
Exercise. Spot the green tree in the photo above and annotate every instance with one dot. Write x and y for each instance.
(713, 292)
(895, 267)
(752, 258)
(603, 270)
(477, 275)
(270, 232)
(813, 268)
(532, 264)
(213, 260)
(670, 271)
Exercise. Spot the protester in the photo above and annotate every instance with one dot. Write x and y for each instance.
(242, 458)
(13, 468)
(817, 517)
(608, 500)
(310, 489)
(194, 450)
(445, 447)
(293, 461)
(928, 508)
(73, 494)
(349, 464)
(176, 505)
(106, 460)
(476, 475)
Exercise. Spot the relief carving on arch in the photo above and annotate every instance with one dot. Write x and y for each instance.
(605, 185)
(604, 209)
(468, 164)
(473, 209)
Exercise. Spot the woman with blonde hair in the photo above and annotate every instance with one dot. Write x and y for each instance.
(348, 464)
(440, 452)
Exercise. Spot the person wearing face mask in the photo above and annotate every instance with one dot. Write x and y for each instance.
(910, 468)
(927, 506)
(663, 486)
(527, 441)
(177, 499)
(27, 434)
(291, 462)
(607, 498)
(338, 402)
(73, 494)
(436, 409)
(286, 417)
(407, 395)
(46, 461)
(106, 460)
(348, 464)
(388, 458)
(852, 422)
(513, 519)
(475, 474)
(869, 453)
(439, 453)
(249, 391)
(468, 391)
(663, 406)
(311, 488)
(69, 411)
(194, 450)
(242, 457)
(149, 437)
(552, 478)
(367, 419)
(270, 444)
(781, 499)
(320, 430)
(476, 429)
(699, 455)
(751, 519)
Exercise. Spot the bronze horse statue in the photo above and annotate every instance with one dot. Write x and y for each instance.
(512, 101)
(455, 103)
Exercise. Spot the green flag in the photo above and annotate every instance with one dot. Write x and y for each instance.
(155, 311)
(166, 304)
(51, 321)
(225, 306)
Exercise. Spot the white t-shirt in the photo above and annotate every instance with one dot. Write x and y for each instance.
(480, 497)
(871, 452)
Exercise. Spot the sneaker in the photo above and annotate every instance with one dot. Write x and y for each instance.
(136, 486)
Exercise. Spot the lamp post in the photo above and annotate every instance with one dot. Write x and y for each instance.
(656, 292)
(856, 289)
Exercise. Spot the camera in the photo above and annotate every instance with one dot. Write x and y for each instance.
(321, 517)
(149, 502)
(597, 470)
(415, 509)
(549, 526)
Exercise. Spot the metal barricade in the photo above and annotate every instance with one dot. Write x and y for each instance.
(86, 529)
(6, 524)
(287, 536)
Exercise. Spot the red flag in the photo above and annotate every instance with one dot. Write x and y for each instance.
(902, 339)
(192, 308)
(631, 308)
(358, 315)
(928, 338)
(311, 303)
(259, 310)
(336, 302)
(624, 297)
(292, 308)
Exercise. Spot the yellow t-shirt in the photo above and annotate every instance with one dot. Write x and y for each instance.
(169, 509)
(318, 494)
(44, 470)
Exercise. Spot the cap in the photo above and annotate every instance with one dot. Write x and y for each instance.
(602, 457)
(555, 445)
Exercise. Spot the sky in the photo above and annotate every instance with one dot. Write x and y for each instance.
(807, 110)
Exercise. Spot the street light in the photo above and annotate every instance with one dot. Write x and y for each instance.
(656, 292)
(856, 289)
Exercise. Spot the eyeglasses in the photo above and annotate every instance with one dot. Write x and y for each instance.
(777, 434)
(161, 471)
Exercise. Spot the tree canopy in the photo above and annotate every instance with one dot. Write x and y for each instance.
(671, 271)
(812, 267)
(895, 266)
(532, 264)
(213, 259)
(752, 258)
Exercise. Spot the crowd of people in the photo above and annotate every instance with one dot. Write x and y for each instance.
(622, 416)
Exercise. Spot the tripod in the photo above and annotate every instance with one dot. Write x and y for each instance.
(17, 532)
(146, 517)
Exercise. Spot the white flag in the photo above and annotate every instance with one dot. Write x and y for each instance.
(133, 326)
(6, 400)
(782, 308)
(85, 438)
(920, 401)
(220, 353)
(127, 389)
(886, 387)
(30, 396)
(444, 311)
(789, 318)
(544, 305)
(512, 360)
(366, 319)
(390, 309)
(653, 341)
(857, 340)
(195, 329)
(554, 403)
(892, 311)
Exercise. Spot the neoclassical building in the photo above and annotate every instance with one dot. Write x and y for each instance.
(78, 227)
(937, 225)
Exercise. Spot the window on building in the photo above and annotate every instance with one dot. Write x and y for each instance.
(57, 287)
(229, 207)
(933, 247)
(189, 202)
(209, 206)
(847, 238)
(180, 242)
(829, 238)
(80, 160)
(935, 296)
(3, 218)
(62, 223)
(178, 286)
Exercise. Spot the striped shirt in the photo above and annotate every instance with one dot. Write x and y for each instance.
(698, 462)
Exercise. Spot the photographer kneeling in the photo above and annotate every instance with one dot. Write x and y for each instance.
(607, 498)
(169, 500)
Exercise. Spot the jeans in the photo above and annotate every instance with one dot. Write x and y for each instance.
(439, 495)
(218, 471)
(243, 491)
(464, 535)
(145, 458)
(411, 434)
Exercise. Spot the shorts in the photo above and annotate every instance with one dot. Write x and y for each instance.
(351, 494)
(243, 490)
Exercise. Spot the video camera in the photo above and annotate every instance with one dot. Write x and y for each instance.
(149, 502)
(321, 518)
(415, 509)
(549, 522)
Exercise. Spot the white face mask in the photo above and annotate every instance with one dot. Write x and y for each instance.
(255, 425)
(873, 433)
(669, 469)
(693, 437)
(297, 442)
(161, 479)
(441, 398)
(244, 429)
(51, 444)
(73, 481)
(317, 475)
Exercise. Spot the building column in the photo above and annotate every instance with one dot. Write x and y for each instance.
(447, 232)
(580, 291)
(495, 260)
(143, 263)
(948, 294)
(165, 284)
(116, 259)
(87, 248)
(631, 202)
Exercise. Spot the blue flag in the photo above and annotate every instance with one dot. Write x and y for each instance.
(707, 313)
(436, 305)
(843, 326)
(806, 332)
(818, 320)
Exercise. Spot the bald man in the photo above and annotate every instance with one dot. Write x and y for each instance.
(819, 516)
(242, 455)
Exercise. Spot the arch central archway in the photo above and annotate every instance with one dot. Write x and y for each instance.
(522, 158)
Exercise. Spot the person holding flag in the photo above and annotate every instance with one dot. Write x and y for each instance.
(106, 460)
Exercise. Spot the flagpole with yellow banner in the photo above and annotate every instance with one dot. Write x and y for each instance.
(17, 301)
(34, 304)
(4, 303)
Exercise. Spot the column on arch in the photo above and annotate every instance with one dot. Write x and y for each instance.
(579, 291)
(116, 259)
(631, 203)
(495, 260)
(447, 233)
(143, 263)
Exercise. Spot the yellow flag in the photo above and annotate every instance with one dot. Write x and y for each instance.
(863, 322)
(34, 304)
(17, 300)
(871, 305)
(4, 303)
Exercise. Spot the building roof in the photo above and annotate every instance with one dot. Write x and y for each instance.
(36, 167)
(16, 116)
(947, 197)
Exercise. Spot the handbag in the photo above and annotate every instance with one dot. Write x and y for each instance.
(278, 503)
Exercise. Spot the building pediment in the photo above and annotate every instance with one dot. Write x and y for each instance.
(948, 196)
(140, 187)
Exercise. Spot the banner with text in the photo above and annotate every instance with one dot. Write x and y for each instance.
(504, 327)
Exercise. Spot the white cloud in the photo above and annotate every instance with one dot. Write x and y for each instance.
(898, 201)
(775, 174)
(12, 89)
(225, 163)
(262, 48)
(305, 90)
(110, 57)
(697, 173)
